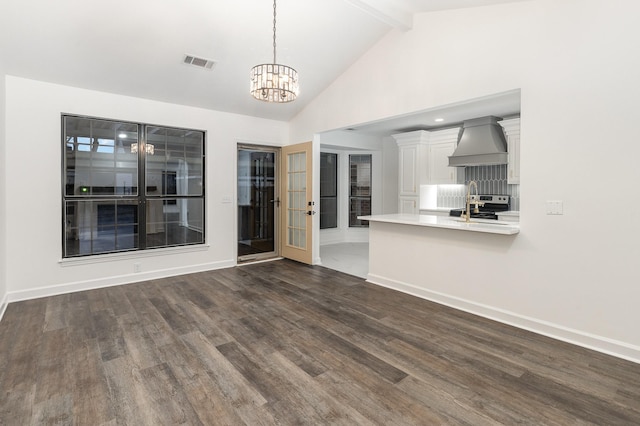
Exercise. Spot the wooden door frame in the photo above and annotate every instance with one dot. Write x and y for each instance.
(277, 211)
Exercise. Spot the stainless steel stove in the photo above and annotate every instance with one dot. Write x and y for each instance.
(493, 204)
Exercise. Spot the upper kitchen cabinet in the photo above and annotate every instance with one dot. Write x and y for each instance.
(442, 143)
(412, 167)
(423, 160)
(512, 131)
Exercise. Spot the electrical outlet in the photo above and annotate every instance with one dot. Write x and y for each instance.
(555, 207)
(136, 267)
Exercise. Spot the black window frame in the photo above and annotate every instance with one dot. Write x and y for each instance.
(138, 196)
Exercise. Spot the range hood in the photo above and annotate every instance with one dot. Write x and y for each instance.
(482, 143)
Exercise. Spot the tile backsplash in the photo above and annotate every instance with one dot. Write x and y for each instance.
(490, 179)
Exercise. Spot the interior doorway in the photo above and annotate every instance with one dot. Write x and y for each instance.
(258, 202)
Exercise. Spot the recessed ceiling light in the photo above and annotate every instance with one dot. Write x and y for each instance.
(122, 135)
(439, 120)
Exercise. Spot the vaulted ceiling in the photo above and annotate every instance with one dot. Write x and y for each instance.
(137, 48)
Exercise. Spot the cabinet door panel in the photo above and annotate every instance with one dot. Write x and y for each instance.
(439, 170)
(409, 170)
(408, 205)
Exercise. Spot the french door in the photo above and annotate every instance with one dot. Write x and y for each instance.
(298, 206)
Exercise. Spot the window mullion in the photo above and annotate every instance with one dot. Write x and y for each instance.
(142, 188)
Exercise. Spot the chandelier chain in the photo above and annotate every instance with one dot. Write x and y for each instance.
(274, 32)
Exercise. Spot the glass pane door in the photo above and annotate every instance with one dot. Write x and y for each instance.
(298, 206)
(257, 203)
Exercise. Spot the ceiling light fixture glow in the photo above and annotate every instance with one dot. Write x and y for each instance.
(439, 120)
(274, 82)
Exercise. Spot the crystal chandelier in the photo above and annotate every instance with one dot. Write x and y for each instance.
(148, 148)
(274, 82)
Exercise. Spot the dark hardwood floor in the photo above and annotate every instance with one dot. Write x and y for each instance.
(285, 343)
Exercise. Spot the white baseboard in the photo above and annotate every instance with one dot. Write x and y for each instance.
(555, 331)
(54, 290)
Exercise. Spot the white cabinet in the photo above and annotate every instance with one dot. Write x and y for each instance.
(442, 143)
(412, 154)
(512, 131)
(408, 167)
(424, 160)
(408, 205)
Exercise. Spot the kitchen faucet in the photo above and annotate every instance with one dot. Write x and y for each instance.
(477, 202)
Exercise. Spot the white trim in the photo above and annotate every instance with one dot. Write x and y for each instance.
(253, 262)
(16, 296)
(137, 254)
(389, 15)
(555, 331)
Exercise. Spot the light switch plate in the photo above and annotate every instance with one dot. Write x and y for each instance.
(555, 207)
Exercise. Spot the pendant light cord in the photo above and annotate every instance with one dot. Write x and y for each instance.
(274, 31)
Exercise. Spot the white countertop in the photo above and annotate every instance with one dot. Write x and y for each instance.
(514, 213)
(476, 225)
(438, 209)
(430, 210)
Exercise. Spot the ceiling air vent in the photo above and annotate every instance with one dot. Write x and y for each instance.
(198, 62)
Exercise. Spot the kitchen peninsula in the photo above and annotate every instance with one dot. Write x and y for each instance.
(443, 259)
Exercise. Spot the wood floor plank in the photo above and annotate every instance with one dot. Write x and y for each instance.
(151, 320)
(141, 348)
(54, 365)
(239, 392)
(285, 343)
(307, 402)
(57, 410)
(92, 402)
(208, 323)
(204, 395)
(269, 385)
(166, 397)
(179, 323)
(55, 314)
(20, 332)
(80, 323)
(128, 396)
(109, 335)
(118, 302)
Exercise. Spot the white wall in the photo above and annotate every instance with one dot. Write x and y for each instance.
(575, 64)
(33, 216)
(3, 222)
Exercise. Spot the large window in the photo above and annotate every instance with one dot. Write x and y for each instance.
(360, 189)
(130, 186)
(328, 190)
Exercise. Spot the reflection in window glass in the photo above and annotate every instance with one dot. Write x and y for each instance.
(328, 190)
(360, 189)
(105, 211)
(100, 226)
